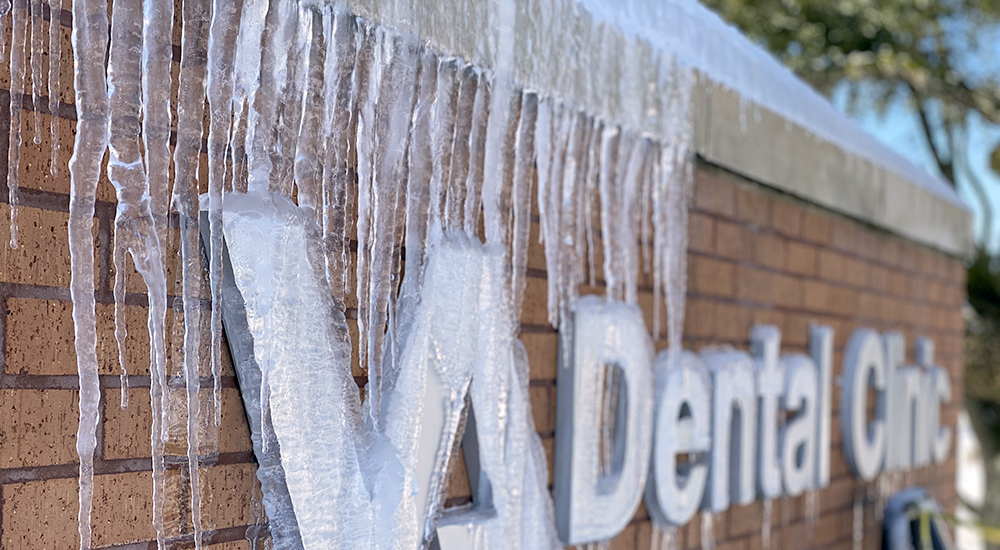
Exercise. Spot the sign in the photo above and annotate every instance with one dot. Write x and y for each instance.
(720, 412)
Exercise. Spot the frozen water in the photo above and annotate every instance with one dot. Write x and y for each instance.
(353, 136)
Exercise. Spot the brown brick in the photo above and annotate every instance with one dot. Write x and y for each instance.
(733, 241)
(42, 256)
(753, 206)
(40, 514)
(770, 250)
(711, 194)
(733, 324)
(713, 277)
(754, 285)
(787, 291)
(701, 233)
(801, 258)
(815, 295)
(37, 427)
(786, 218)
(700, 318)
(844, 235)
(542, 405)
(543, 349)
(815, 227)
(40, 337)
(832, 266)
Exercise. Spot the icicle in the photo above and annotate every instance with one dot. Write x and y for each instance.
(812, 512)
(309, 145)
(461, 147)
(858, 535)
(36, 67)
(289, 120)
(593, 176)
(157, 50)
(419, 175)
(765, 524)
(338, 69)
(55, 82)
(383, 131)
(610, 139)
(524, 160)
(277, 35)
(19, 42)
(477, 151)
(222, 37)
(443, 137)
(664, 537)
(707, 530)
(190, 114)
(90, 38)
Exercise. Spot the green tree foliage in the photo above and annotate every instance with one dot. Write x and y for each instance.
(927, 50)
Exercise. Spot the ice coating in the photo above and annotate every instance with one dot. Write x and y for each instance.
(19, 43)
(89, 44)
(402, 153)
(55, 80)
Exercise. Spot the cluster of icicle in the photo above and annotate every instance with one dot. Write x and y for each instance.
(381, 142)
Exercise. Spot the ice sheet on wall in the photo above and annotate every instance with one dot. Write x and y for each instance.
(369, 151)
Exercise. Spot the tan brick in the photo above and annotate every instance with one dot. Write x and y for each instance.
(753, 206)
(832, 265)
(701, 233)
(787, 291)
(700, 318)
(815, 227)
(542, 406)
(815, 295)
(733, 241)
(37, 427)
(543, 350)
(733, 324)
(40, 337)
(786, 218)
(770, 250)
(40, 514)
(801, 258)
(713, 277)
(754, 285)
(42, 256)
(711, 194)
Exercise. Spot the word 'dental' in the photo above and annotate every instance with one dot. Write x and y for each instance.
(700, 431)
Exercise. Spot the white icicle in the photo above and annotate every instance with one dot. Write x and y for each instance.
(222, 37)
(337, 184)
(309, 144)
(477, 151)
(19, 42)
(707, 530)
(90, 38)
(443, 136)
(55, 81)
(457, 189)
(765, 524)
(858, 524)
(157, 50)
(190, 113)
(524, 159)
(37, 40)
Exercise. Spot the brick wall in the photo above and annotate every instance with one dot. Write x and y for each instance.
(755, 257)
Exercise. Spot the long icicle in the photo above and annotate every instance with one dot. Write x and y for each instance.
(157, 49)
(36, 68)
(190, 112)
(90, 39)
(19, 28)
(221, 51)
(55, 80)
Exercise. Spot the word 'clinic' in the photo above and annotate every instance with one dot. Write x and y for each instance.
(720, 410)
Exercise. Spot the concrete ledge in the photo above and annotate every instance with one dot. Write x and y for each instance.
(770, 150)
(615, 59)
